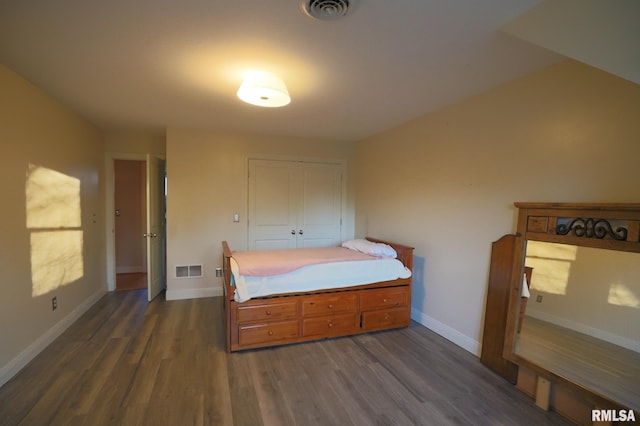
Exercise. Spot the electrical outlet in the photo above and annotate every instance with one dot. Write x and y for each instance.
(218, 272)
(539, 298)
(54, 303)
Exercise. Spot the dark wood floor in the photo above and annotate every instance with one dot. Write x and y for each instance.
(608, 369)
(129, 363)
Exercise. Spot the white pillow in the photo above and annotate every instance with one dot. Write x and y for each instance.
(371, 248)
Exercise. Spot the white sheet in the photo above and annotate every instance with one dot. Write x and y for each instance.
(317, 277)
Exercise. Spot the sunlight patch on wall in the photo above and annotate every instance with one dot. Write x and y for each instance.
(53, 199)
(621, 295)
(54, 219)
(551, 265)
(56, 259)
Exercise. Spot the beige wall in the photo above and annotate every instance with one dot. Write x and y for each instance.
(56, 158)
(135, 142)
(207, 180)
(446, 182)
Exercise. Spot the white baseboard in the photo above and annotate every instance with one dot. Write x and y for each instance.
(16, 364)
(585, 329)
(194, 293)
(465, 342)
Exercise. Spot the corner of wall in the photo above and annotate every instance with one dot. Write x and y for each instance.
(193, 293)
(449, 333)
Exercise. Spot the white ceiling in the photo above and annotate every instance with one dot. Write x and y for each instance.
(149, 65)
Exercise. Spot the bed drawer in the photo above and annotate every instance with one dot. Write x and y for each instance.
(334, 325)
(386, 318)
(329, 304)
(385, 298)
(270, 332)
(267, 312)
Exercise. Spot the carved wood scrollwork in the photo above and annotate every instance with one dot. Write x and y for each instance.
(609, 226)
(592, 228)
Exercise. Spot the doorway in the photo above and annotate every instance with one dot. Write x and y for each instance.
(152, 235)
(130, 224)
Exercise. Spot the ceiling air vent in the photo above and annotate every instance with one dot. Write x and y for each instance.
(326, 10)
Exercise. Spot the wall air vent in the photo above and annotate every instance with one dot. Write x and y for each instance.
(326, 10)
(188, 271)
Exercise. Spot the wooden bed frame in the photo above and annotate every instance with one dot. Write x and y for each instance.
(302, 317)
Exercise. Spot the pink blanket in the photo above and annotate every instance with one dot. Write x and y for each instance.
(275, 262)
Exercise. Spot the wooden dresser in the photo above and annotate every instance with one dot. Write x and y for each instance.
(282, 320)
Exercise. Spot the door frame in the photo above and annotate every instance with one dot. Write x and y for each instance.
(110, 236)
(156, 228)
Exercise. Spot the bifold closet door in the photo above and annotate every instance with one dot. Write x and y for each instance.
(294, 204)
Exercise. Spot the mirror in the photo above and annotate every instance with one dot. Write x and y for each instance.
(577, 337)
(582, 318)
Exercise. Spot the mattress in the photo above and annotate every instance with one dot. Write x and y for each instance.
(317, 277)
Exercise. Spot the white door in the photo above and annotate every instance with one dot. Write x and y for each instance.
(320, 209)
(156, 235)
(294, 204)
(272, 205)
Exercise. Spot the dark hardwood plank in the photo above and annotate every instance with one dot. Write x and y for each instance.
(127, 362)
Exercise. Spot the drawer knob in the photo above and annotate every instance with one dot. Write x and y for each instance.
(268, 312)
(330, 306)
(386, 316)
(330, 324)
(270, 333)
(384, 300)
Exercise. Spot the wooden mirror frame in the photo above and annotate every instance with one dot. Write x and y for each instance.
(611, 226)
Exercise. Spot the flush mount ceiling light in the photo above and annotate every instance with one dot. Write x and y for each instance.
(326, 10)
(263, 89)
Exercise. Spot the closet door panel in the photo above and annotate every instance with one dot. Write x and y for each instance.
(294, 204)
(320, 211)
(273, 202)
